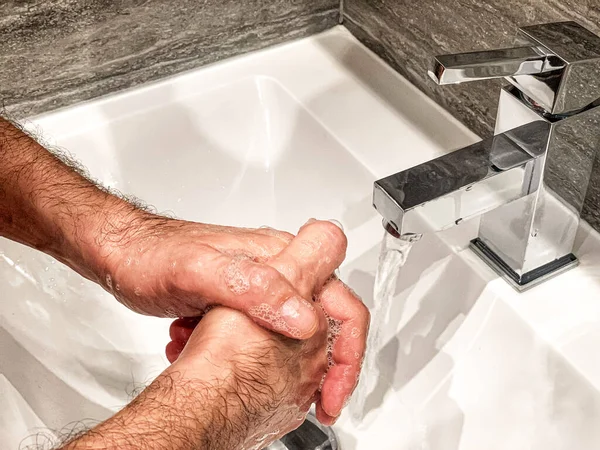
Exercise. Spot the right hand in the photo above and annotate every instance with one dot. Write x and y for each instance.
(236, 385)
(265, 382)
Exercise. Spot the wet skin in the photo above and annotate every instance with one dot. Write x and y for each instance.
(173, 268)
(304, 264)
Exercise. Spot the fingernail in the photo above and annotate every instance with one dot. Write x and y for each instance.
(337, 223)
(311, 220)
(299, 314)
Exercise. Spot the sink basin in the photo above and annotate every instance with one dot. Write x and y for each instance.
(275, 137)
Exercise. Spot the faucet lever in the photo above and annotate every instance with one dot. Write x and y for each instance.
(554, 64)
(482, 65)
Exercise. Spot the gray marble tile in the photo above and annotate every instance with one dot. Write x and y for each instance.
(58, 52)
(406, 33)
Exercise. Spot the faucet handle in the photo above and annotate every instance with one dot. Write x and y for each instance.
(556, 65)
(575, 83)
(471, 66)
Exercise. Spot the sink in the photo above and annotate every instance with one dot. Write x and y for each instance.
(247, 154)
(275, 137)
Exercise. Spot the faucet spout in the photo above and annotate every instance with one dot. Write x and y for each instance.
(465, 183)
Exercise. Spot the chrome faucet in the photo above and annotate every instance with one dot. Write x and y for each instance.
(528, 181)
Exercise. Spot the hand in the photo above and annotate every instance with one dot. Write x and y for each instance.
(273, 379)
(348, 323)
(167, 267)
(235, 386)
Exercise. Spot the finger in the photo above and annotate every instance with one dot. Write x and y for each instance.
(260, 244)
(257, 289)
(312, 256)
(173, 350)
(342, 304)
(323, 417)
(181, 329)
(339, 384)
(283, 236)
(265, 243)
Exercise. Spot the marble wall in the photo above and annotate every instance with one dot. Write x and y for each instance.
(57, 52)
(406, 33)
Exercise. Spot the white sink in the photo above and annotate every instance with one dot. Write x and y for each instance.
(275, 137)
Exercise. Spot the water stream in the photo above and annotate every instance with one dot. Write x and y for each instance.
(393, 255)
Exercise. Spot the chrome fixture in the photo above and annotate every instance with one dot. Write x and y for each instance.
(528, 181)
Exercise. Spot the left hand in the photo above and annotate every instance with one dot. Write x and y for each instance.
(175, 268)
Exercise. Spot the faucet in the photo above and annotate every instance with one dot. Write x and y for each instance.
(528, 182)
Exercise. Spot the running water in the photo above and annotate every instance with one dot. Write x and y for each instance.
(394, 252)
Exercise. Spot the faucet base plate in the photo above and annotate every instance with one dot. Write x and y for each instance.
(528, 280)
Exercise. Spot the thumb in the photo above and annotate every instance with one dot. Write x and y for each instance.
(256, 289)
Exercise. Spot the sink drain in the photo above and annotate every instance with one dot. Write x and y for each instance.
(311, 435)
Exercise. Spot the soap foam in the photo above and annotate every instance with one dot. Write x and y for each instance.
(237, 281)
(268, 314)
(334, 327)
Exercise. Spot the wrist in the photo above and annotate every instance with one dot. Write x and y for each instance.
(92, 233)
(102, 234)
(173, 413)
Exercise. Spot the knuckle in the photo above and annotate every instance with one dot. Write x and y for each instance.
(334, 234)
(260, 276)
(265, 279)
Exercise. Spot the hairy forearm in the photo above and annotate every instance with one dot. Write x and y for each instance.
(48, 205)
(175, 413)
(161, 417)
